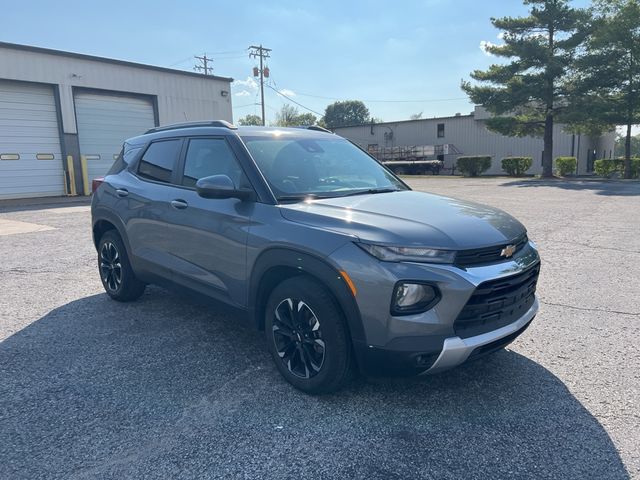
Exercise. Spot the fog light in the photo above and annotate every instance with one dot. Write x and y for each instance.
(411, 298)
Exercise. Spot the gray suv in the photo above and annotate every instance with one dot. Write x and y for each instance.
(339, 262)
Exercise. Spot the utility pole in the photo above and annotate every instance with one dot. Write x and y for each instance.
(204, 64)
(262, 53)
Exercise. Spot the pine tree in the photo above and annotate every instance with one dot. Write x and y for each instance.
(607, 78)
(527, 95)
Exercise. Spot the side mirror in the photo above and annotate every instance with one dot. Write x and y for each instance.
(221, 186)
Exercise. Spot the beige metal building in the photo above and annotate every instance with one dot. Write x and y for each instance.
(468, 135)
(55, 105)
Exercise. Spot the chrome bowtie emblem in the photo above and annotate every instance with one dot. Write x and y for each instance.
(508, 251)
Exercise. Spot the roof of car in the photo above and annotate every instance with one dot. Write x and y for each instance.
(279, 131)
(225, 128)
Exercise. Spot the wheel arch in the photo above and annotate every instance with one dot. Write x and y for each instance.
(103, 221)
(277, 264)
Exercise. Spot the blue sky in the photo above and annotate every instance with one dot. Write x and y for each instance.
(400, 57)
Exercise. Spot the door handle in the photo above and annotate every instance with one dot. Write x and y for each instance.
(179, 204)
(122, 192)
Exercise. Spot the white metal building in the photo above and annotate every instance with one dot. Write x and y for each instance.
(468, 135)
(56, 104)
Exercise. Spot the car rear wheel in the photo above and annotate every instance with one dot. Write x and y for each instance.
(307, 336)
(116, 273)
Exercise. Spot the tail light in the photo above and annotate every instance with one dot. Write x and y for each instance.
(96, 182)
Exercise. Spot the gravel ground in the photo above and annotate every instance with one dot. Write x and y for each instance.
(168, 388)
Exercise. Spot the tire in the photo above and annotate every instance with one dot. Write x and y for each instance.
(115, 270)
(311, 349)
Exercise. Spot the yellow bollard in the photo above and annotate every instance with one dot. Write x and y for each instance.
(72, 176)
(85, 175)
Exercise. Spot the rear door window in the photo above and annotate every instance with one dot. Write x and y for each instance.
(159, 160)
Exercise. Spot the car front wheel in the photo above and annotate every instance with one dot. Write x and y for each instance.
(307, 336)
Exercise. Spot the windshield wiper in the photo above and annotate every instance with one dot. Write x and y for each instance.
(300, 197)
(371, 191)
(336, 194)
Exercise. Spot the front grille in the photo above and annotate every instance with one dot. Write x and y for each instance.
(497, 303)
(478, 256)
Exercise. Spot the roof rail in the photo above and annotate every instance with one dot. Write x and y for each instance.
(318, 128)
(206, 123)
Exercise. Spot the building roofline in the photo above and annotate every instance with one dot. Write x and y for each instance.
(83, 56)
(405, 121)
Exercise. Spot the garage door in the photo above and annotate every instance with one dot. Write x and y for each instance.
(30, 154)
(105, 122)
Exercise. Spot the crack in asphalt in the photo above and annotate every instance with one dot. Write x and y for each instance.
(594, 247)
(604, 310)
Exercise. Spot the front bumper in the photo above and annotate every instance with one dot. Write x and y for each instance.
(457, 350)
(426, 342)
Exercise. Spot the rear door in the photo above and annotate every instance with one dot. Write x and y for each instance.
(142, 201)
(207, 237)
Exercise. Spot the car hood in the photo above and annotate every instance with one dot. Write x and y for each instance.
(409, 218)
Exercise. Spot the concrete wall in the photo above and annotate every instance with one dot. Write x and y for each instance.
(181, 96)
(470, 136)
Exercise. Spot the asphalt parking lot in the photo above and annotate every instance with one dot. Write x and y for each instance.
(166, 387)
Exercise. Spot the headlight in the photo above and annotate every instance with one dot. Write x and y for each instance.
(408, 254)
(410, 298)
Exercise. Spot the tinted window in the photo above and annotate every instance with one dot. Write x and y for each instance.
(157, 162)
(124, 158)
(210, 156)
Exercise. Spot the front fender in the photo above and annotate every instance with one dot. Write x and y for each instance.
(312, 265)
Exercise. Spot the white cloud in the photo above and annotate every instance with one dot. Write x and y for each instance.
(248, 84)
(484, 44)
(243, 93)
(287, 92)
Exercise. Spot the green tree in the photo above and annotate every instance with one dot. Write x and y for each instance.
(621, 141)
(607, 80)
(289, 116)
(250, 120)
(348, 112)
(527, 95)
(307, 119)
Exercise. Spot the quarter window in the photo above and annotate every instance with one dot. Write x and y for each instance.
(158, 161)
(207, 157)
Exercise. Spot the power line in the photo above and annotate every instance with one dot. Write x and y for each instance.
(218, 58)
(292, 100)
(228, 51)
(383, 101)
(181, 61)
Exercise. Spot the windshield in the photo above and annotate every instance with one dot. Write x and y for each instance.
(298, 167)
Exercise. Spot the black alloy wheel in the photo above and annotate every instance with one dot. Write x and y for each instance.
(298, 338)
(110, 266)
(307, 336)
(117, 276)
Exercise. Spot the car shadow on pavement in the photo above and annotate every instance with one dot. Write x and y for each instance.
(165, 387)
(600, 187)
